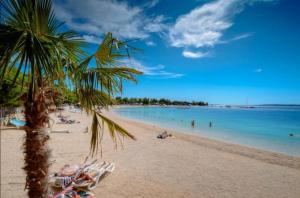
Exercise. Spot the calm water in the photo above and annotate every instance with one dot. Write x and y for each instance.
(262, 127)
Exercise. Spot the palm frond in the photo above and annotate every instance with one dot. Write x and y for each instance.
(115, 130)
(96, 85)
(31, 42)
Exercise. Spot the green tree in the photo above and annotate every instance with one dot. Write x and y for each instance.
(33, 43)
(145, 101)
(153, 101)
(10, 96)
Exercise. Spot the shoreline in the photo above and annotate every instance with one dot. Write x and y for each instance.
(243, 150)
(280, 139)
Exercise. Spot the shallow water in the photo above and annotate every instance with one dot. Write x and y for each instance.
(267, 128)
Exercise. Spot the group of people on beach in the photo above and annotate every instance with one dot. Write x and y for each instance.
(165, 134)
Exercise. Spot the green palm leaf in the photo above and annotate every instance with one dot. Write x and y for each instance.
(97, 129)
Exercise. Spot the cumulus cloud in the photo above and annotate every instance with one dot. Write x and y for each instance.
(190, 54)
(94, 17)
(157, 71)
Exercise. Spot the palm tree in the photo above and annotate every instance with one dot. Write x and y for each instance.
(31, 41)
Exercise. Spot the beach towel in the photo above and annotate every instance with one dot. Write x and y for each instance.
(17, 123)
(71, 192)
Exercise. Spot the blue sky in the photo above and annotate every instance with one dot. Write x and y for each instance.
(220, 51)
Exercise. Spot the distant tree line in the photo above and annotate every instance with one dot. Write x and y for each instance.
(153, 101)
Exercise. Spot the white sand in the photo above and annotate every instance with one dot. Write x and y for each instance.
(185, 166)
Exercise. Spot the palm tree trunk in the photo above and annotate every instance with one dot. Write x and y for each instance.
(35, 146)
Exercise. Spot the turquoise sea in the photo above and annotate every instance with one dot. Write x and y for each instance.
(264, 127)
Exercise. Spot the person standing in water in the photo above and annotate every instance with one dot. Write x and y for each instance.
(210, 124)
(193, 123)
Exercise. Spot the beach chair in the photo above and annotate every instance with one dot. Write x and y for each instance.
(67, 174)
(60, 131)
(96, 172)
(60, 181)
(63, 120)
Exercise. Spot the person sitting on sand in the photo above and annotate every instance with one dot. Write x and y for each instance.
(164, 135)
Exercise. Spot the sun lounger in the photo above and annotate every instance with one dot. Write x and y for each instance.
(63, 120)
(75, 110)
(85, 176)
(67, 174)
(67, 122)
(101, 174)
(96, 172)
(60, 131)
(60, 181)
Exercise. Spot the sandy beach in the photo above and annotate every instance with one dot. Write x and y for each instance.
(184, 166)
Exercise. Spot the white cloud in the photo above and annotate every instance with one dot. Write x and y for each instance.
(242, 36)
(92, 39)
(150, 43)
(94, 18)
(258, 70)
(236, 38)
(190, 54)
(262, 1)
(151, 3)
(156, 71)
(204, 26)
(156, 25)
